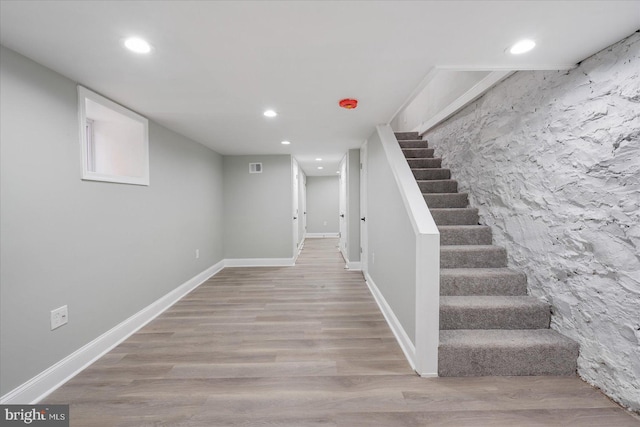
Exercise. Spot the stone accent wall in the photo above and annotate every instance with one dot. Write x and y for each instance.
(552, 160)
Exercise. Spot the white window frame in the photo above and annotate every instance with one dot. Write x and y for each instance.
(87, 143)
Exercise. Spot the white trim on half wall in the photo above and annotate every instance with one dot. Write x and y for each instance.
(396, 327)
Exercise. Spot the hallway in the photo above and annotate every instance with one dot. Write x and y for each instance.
(302, 346)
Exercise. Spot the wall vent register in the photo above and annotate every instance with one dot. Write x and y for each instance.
(255, 167)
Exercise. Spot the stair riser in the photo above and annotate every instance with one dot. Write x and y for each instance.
(431, 173)
(413, 144)
(495, 258)
(528, 317)
(421, 153)
(401, 136)
(509, 285)
(435, 200)
(465, 236)
(445, 186)
(455, 217)
(474, 362)
(425, 163)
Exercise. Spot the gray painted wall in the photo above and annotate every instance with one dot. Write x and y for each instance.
(391, 243)
(323, 200)
(106, 250)
(353, 205)
(552, 160)
(258, 208)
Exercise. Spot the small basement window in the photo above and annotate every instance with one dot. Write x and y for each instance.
(114, 141)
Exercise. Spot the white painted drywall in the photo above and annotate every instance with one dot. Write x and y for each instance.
(106, 250)
(552, 160)
(258, 214)
(323, 199)
(442, 89)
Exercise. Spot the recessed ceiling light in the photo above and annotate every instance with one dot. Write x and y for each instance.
(320, 167)
(337, 171)
(522, 46)
(285, 142)
(137, 45)
(318, 159)
(270, 113)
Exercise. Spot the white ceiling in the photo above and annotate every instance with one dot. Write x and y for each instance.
(217, 65)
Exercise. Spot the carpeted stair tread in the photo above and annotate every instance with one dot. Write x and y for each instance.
(414, 143)
(493, 312)
(464, 234)
(431, 173)
(438, 186)
(446, 200)
(482, 281)
(402, 136)
(488, 324)
(418, 153)
(488, 352)
(434, 162)
(455, 216)
(472, 256)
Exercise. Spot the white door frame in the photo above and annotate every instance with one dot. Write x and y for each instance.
(363, 209)
(342, 203)
(303, 206)
(295, 172)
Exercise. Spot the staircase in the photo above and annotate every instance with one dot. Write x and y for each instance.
(488, 324)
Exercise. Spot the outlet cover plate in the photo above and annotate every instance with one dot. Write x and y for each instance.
(59, 317)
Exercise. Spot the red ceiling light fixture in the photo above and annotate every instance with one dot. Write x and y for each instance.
(348, 103)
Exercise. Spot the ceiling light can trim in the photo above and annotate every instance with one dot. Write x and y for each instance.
(137, 45)
(523, 46)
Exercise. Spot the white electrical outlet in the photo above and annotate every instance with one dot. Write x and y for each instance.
(197, 253)
(59, 317)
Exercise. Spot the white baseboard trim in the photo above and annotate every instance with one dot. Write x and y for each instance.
(401, 336)
(321, 235)
(351, 265)
(300, 247)
(40, 386)
(354, 265)
(260, 262)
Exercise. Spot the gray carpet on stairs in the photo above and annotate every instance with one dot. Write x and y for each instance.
(488, 324)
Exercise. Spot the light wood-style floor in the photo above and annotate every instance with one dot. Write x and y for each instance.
(302, 346)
